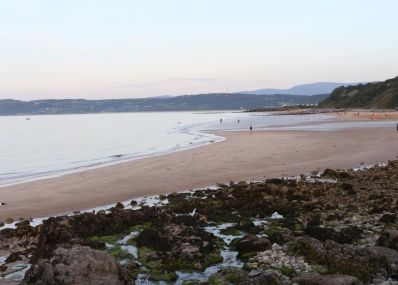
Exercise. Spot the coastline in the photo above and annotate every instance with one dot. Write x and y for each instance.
(124, 159)
(242, 156)
(203, 136)
(96, 148)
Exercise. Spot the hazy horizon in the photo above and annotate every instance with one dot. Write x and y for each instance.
(133, 49)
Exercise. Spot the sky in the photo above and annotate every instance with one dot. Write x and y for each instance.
(130, 49)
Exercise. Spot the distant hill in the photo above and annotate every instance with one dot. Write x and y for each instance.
(304, 89)
(382, 95)
(180, 103)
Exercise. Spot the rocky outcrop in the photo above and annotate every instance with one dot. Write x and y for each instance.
(64, 229)
(168, 247)
(312, 249)
(390, 259)
(345, 235)
(251, 243)
(328, 280)
(328, 226)
(181, 241)
(363, 263)
(77, 265)
(389, 238)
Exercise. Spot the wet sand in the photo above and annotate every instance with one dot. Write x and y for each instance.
(242, 156)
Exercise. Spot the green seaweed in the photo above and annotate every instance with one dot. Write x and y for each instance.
(212, 258)
(132, 241)
(133, 269)
(140, 227)
(247, 255)
(164, 275)
(109, 239)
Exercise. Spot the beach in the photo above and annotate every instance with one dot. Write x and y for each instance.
(243, 156)
(368, 115)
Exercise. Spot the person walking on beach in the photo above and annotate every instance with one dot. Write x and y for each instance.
(221, 121)
(251, 128)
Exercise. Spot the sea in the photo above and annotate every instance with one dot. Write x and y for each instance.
(42, 146)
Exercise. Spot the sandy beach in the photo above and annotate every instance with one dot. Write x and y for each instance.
(368, 115)
(242, 156)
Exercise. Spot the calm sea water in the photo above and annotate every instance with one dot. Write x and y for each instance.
(53, 145)
(50, 145)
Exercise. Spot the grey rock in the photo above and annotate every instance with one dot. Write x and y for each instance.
(312, 249)
(361, 263)
(250, 243)
(333, 279)
(389, 238)
(77, 265)
(390, 256)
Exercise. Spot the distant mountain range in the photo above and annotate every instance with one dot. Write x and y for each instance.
(304, 89)
(371, 95)
(218, 101)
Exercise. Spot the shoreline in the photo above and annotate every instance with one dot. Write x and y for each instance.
(211, 137)
(58, 174)
(242, 156)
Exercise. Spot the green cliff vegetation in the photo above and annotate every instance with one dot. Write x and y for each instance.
(380, 95)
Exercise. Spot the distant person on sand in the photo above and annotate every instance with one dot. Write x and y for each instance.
(238, 121)
(251, 128)
(221, 121)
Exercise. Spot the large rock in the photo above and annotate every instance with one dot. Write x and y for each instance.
(362, 263)
(251, 243)
(312, 249)
(388, 219)
(77, 265)
(178, 245)
(390, 256)
(389, 238)
(63, 229)
(333, 279)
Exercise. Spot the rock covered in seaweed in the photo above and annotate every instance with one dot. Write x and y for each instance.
(168, 247)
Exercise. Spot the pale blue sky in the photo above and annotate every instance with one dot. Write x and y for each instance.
(127, 49)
